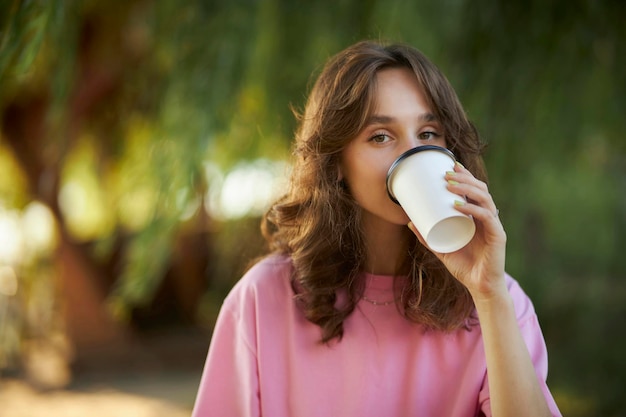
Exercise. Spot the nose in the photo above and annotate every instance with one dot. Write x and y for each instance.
(411, 142)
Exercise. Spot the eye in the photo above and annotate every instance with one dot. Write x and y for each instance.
(380, 138)
(429, 135)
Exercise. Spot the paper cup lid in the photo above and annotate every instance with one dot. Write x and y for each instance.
(405, 155)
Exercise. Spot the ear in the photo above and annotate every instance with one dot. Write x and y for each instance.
(339, 173)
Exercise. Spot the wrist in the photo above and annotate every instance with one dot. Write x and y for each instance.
(496, 312)
(492, 297)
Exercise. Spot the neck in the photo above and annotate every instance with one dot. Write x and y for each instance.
(386, 246)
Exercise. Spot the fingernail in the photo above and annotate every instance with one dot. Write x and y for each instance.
(451, 173)
(460, 164)
(459, 203)
(452, 182)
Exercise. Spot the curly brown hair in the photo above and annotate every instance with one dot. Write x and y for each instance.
(317, 222)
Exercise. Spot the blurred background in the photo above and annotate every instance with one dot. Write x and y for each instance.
(141, 140)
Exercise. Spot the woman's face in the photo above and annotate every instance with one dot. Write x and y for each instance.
(401, 120)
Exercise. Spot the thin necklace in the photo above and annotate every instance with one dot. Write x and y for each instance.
(378, 303)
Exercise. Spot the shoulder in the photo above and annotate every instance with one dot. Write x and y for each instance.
(269, 278)
(266, 272)
(524, 309)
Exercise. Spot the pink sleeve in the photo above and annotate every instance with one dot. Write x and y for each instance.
(532, 335)
(229, 384)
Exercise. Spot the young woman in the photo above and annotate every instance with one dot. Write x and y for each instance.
(351, 314)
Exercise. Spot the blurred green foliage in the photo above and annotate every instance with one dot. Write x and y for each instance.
(196, 82)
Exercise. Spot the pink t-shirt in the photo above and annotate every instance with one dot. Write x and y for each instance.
(266, 359)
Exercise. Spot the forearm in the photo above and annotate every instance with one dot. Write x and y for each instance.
(513, 384)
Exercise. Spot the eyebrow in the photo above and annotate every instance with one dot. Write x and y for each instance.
(381, 119)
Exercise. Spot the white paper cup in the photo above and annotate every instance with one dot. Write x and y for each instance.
(416, 182)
